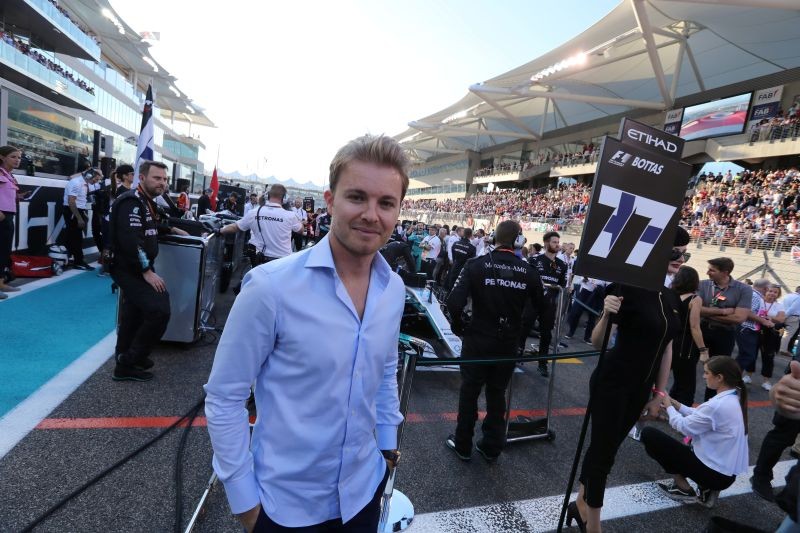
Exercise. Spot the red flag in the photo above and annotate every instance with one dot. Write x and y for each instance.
(214, 190)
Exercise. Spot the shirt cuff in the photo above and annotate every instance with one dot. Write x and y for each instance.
(672, 412)
(242, 493)
(387, 436)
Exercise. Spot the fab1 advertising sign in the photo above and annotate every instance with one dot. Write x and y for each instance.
(635, 207)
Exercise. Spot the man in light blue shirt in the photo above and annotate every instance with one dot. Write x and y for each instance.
(791, 303)
(324, 365)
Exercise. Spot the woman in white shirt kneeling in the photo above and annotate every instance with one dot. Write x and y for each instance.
(718, 429)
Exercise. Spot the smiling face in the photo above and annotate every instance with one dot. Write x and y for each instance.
(364, 206)
(772, 294)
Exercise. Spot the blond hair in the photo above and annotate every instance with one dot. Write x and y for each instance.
(380, 150)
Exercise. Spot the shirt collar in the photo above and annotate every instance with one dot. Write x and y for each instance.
(320, 256)
(725, 393)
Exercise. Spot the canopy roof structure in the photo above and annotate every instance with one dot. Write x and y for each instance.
(644, 55)
(122, 46)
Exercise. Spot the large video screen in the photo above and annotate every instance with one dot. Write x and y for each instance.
(727, 116)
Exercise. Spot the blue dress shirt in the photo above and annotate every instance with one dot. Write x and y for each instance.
(325, 388)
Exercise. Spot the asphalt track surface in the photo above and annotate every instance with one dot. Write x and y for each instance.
(103, 420)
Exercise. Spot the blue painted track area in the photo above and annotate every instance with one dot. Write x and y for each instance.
(46, 329)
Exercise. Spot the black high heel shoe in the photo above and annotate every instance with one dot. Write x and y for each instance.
(574, 514)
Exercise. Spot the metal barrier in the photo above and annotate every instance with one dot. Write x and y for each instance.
(398, 519)
(777, 132)
(538, 429)
(393, 520)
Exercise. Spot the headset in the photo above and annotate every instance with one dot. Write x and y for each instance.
(519, 241)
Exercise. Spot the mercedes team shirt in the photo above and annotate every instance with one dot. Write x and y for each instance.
(271, 228)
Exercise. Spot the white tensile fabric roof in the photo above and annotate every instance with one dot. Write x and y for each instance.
(645, 54)
(127, 52)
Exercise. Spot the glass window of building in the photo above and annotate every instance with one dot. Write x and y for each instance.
(53, 143)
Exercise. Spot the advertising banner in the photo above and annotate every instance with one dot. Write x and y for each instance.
(635, 207)
(672, 122)
(39, 221)
(766, 104)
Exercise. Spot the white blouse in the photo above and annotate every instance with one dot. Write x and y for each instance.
(717, 431)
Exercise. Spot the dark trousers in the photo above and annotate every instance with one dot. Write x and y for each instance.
(366, 521)
(678, 459)
(780, 437)
(748, 341)
(298, 239)
(74, 234)
(97, 230)
(452, 276)
(6, 241)
(143, 316)
(473, 379)
(616, 406)
(576, 310)
(719, 341)
(546, 318)
(684, 373)
(440, 270)
(427, 267)
(770, 342)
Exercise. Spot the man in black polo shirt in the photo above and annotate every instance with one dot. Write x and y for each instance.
(552, 271)
(462, 250)
(726, 304)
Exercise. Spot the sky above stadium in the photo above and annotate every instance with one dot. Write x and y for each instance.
(288, 83)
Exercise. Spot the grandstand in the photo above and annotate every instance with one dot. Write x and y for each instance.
(712, 72)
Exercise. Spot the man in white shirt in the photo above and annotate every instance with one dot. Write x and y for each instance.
(76, 215)
(270, 226)
(431, 246)
(252, 203)
(479, 242)
(791, 303)
(454, 237)
(300, 213)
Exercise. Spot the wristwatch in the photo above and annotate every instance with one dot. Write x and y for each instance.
(393, 456)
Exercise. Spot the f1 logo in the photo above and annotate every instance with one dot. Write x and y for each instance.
(625, 206)
(620, 158)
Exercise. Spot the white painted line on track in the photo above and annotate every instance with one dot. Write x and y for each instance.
(449, 368)
(541, 514)
(44, 282)
(18, 422)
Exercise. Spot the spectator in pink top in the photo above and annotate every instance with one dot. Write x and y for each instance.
(10, 158)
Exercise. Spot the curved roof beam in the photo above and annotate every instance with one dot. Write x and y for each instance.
(431, 129)
(602, 100)
(643, 21)
(502, 110)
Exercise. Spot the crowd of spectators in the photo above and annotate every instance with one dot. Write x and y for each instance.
(586, 154)
(30, 51)
(556, 202)
(64, 12)
(758, 209)
(783, 125)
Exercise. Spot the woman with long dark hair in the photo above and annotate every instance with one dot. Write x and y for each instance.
(688, 346)
(630, 380)
(718, 429)
(10, 194)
